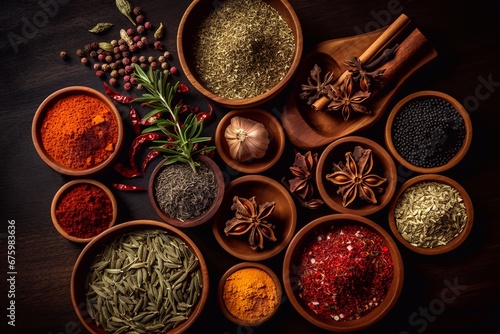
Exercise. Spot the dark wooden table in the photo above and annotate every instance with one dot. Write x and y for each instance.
(454, 293)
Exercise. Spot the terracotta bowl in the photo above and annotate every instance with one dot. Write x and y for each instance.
(291, 264)
(187, 29)
(39, 118)
(426, 95)
(383, 166)
(276, 144)
(284, 216)
(458, 240)
(67, 187)
(92, 249)
(220, 293)
(211, 210)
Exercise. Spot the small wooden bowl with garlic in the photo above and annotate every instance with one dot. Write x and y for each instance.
(250, 140)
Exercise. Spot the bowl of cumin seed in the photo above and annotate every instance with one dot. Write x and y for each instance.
(239, 54)
(125, 280)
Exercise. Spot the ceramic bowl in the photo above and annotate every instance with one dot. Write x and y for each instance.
(275, 148)
(187, 29)
(283, 217)
(78, 285)
(458, 240)
(291, 264)
(421, 96)
(220, 293)
(383, 166)
(38, 121)
(209, 212)
(69, 186)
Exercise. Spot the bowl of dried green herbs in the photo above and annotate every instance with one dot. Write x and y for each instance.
(141, 276)
(343, 272)
(431, 214)
(239, 54)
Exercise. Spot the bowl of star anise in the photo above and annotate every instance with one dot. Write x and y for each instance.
(256, 219)
(356, 175)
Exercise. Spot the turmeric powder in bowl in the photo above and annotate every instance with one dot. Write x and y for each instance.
(249, 294)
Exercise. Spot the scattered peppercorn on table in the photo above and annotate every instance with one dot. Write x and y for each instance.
(52, 44)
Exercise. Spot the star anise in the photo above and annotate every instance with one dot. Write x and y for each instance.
(354, 178)
(250, 218)
(363, 75)
(303, 170)
(314, 90)
(345, 99)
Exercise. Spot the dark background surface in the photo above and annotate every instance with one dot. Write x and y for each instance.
(466, 36)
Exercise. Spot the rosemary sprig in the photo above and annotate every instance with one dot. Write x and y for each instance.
(182, 138)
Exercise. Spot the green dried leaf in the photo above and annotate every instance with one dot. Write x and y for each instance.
(100, 27)
(106, 46)
(125, 8)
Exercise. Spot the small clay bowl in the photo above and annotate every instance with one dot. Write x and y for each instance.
(291, 264)
(283, 217)
(422, 95)
(383, 166)
(78, 284)
(39, 118)
(276, 144)
(209, 212)
(63, 190)
(220, 293)
(187, 29)
(458, 240)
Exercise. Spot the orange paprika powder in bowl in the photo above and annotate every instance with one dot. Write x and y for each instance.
(77, 131)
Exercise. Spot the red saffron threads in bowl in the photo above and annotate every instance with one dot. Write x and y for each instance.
(84, 211)
(345, 272)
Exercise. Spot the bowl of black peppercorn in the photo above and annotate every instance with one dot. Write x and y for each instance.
(428, 132)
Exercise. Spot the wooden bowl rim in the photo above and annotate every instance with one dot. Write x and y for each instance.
(381, 154)
(67, 186)
(211, 210)
(421, 95)
(458, 240)
(38, 119)
(233, 269)
(266, 253)
(376, 314)
(257, 165)
(250, 102)
(137, 225)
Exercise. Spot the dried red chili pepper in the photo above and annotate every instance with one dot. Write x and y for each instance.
(116, 95)
(135, 120)
(128, 187)
(203, 116)
(137, 144)
(149, 157)
(150, 120)
(182, 88)
(126, 172)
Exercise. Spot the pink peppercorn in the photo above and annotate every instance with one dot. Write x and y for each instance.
(129, 69)
(126, 78)
(130, 31)
(158, 45)
(127, 86)
(148, 25)
(173, 70)
(101, 57)
(113, 81)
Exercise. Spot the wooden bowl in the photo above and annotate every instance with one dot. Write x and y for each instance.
(458, 240)
(92, 249)
(39, 119)
(421, 96)
(187, 29)
(291, 266)
(220, 293)
(383, 166)
(209, 212)
(284, 216)
(67, 187)
(276, 144)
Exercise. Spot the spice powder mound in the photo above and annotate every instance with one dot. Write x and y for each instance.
(79, 132)
(345, 272)
(242, 49)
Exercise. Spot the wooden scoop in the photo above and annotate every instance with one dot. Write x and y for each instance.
(311, 129)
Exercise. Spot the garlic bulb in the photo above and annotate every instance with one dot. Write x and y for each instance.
(246, 138)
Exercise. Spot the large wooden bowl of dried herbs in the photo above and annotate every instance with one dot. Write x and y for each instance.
(239, 54)
(140, 276)
(356, 175)
(343, 272)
